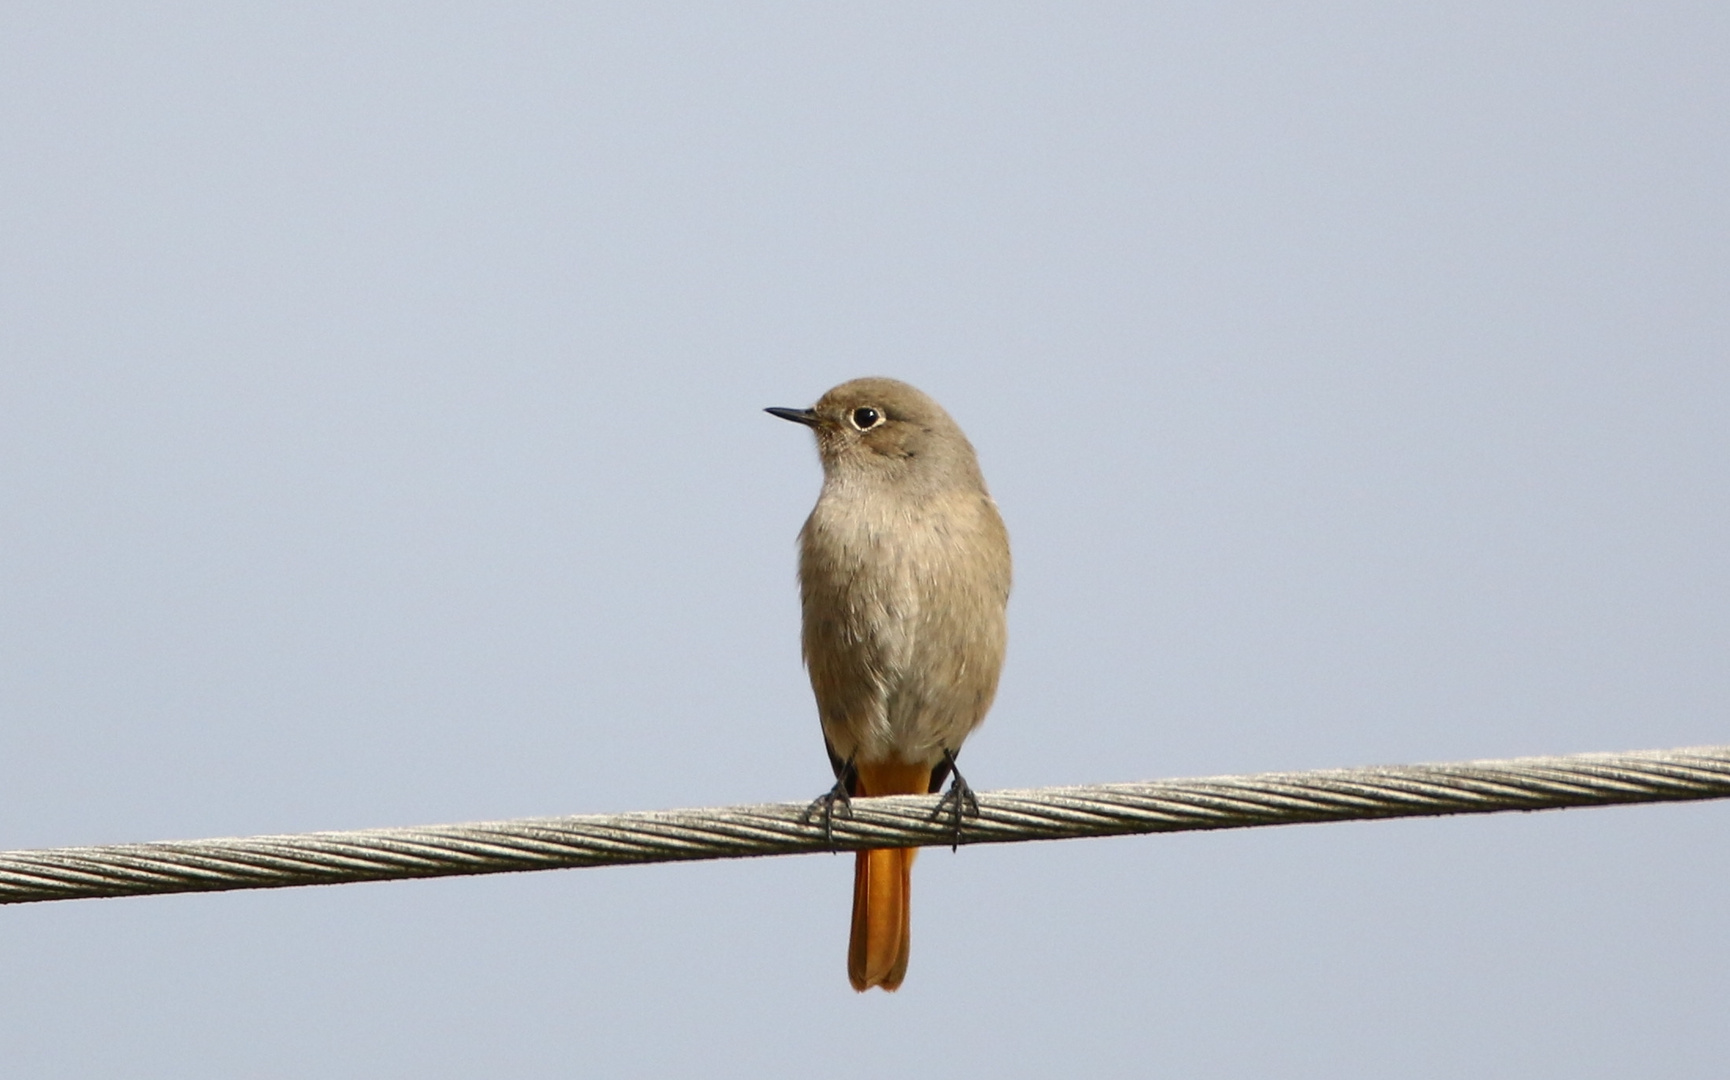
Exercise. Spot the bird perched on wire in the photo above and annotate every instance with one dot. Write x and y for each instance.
(904, 580)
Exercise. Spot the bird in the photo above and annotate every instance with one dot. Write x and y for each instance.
(904, 577)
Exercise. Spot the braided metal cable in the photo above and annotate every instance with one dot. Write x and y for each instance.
(1226, 802)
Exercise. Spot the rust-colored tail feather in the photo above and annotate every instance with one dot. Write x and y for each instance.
(882, 887)
(882, 917)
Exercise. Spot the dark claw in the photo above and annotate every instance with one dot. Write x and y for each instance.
(959, 799)
(840, 793)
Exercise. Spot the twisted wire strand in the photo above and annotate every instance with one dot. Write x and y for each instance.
(1224, 802)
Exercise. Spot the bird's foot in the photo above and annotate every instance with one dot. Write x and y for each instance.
(827, 802)
(959, 801)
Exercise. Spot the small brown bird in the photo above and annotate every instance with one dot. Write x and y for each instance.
(904, 578)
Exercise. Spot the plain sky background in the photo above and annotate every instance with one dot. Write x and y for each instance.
(380, 444)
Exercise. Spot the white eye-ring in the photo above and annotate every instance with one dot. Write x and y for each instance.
(865, 418)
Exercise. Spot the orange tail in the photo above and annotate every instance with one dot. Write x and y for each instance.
(882, 887)
(882, 918)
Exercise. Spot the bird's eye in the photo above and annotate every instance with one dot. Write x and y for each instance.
(866, 418)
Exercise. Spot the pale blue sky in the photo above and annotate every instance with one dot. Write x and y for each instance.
(380, 444)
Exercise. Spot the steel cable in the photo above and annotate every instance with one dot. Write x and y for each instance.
(1225, 802)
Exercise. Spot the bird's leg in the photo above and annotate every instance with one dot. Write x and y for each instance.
(959, 798)
(846, 780)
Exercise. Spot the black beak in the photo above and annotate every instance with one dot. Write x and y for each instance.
(798, 416)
